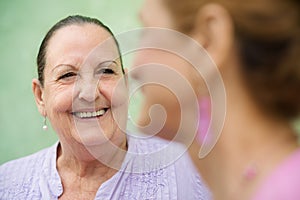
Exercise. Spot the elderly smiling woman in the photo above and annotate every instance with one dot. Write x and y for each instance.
(83, 92)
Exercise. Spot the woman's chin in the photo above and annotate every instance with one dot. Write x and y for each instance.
(90, 139)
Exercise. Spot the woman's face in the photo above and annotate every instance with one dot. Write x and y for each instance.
(84, 94)
(155, 14)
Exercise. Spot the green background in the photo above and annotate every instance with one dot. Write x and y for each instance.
(23, 25)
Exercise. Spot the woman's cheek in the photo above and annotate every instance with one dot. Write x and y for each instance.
(116, 91)
(61, 99)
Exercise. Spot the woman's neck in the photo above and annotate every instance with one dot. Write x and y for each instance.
(83, 169)
(250, 146)
(88, 161)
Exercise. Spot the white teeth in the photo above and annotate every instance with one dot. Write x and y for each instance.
(101, 112)
(90, 114)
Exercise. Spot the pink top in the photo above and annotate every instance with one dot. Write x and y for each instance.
(284, 182)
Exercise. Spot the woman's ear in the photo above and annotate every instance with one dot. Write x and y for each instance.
(38, 95)
(213, 29)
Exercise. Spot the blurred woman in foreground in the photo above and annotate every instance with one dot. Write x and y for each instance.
(256, 47)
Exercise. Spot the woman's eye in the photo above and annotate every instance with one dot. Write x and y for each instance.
(67, 75)
(106, 71)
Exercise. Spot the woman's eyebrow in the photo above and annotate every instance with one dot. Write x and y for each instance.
(63, 65)
(102, 64)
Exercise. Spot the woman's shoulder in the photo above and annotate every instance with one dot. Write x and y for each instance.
(26, 162)
(22, 172)
(145, 144)
(283, 182)
(151, 153)
(167, 164)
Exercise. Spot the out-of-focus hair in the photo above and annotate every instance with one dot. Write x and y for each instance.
(268, 37)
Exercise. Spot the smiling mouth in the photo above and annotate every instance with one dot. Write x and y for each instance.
(87, 115)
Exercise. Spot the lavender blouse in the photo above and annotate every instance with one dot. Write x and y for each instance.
(153, 169)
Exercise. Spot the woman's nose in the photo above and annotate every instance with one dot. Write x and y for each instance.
(88, 90)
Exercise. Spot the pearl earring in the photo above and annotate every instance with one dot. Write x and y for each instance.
(45, 127)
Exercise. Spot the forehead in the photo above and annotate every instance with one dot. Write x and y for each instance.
(77, 42)
(154, 13)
